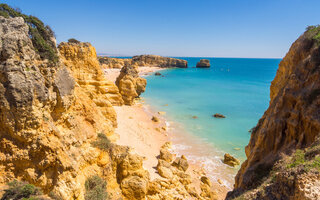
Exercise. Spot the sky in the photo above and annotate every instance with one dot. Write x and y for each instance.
(197, 28)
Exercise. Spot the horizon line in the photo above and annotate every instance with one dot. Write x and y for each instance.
(119, 55)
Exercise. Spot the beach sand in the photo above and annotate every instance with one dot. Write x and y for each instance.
(145, 137)
(112, 74)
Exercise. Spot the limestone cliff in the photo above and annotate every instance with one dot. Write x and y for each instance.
(81, 59)
(57, 124)
(107, 62)
(142, 61)
(48, 121)
(130, 84)
(158, 61)
(292, 120)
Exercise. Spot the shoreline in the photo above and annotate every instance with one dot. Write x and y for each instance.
(139, 132)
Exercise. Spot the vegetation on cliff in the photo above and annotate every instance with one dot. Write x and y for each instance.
(294, 176)
(290, 124)
(21, 190)
(95, 188)
(41, 35)
(314, 32)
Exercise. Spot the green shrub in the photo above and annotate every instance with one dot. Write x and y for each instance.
(314, 32)
(298, 159)
(102, 142)
(40, 35)
(95, 188)
(20, 190)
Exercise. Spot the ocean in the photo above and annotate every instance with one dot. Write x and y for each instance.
(235, 87)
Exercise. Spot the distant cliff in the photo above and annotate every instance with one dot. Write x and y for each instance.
(143, 60)
(291, 122)
(158, 61)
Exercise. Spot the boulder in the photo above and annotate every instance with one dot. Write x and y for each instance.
(157, 74)
(166, 155)
(206, 180)
(218, 115)
(165, 172)
(207, 193)
(230, 160)
(155, 119)
(203, 63)
(181, 163)
(134, 187)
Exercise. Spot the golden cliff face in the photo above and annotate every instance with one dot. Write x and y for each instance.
(81, 59)
(292, 119)
(57, 124)
(130, 84)
(49, 118)
(143, 61)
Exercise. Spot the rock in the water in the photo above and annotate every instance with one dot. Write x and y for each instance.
(203, 63)
(157, 74)
(194, 117)
(130, 84)
(217, 115)
(230, 160)
(155, 119)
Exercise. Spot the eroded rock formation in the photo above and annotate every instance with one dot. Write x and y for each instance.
(130, 84)
(143, 60)
(203, 63)
(158, 61)
(81, 59)
(47, 120)
(292, 120)
(107, 62)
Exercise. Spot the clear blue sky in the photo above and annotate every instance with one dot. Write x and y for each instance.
(214, 28)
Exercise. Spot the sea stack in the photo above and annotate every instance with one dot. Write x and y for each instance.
(203, 63)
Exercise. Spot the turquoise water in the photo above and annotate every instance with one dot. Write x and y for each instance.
(235, 87)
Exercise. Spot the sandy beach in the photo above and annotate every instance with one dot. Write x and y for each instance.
(112, 74)
(145, 137)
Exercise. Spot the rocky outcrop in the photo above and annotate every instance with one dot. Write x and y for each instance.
(57, 124)
(203, 63)
(81, 59)
(292, 120)
(176, 182)
(107, 62)
(230, 160)
(158, 61)
(218, 115)
(142, 61)
(48, 121)
(130, 84)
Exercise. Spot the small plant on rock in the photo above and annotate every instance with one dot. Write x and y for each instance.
(21, 190)
(102, 142)
(96, 188)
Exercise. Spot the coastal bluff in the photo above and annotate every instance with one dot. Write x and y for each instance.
(58, 122)
(283, 152)
(143, 61)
